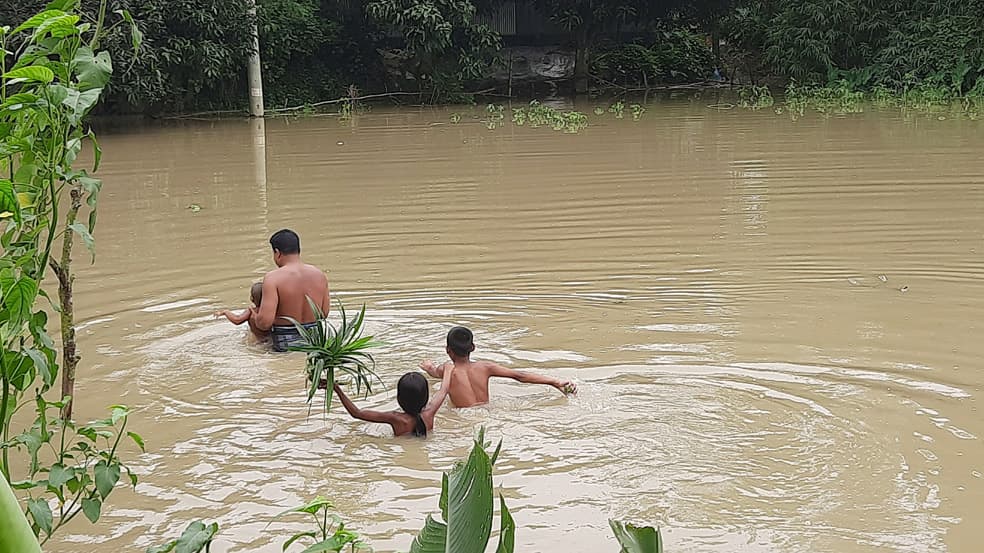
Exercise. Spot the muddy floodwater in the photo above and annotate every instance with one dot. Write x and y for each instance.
(776, 325)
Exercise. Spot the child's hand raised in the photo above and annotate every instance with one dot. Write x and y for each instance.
(430, 368)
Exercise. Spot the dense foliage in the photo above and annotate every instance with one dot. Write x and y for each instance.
(671, 55)
(897, 44)
(52, 73)
(444, 46)
(194, 51)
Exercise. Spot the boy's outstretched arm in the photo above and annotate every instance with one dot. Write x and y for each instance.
(436, 371)
(565, 386)
(435, 403)
(362, 414)
(233, 318)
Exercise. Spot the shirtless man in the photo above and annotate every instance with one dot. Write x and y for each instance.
(285, 292)
(470, 383)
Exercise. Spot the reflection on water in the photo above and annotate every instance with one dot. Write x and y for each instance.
(775, 325)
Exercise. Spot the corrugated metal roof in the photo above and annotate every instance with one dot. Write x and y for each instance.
(502, 18)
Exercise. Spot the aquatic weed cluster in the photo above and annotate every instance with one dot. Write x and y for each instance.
(755, 97)
(537, 115)
(842, 97)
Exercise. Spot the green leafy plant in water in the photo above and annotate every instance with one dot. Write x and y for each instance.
(539, 115)
(197, 537)
(755, 97)
(467, 505)
(637, 539)
(838, 97)
(52, 73)
(85, 470)
(330, 349)
(638, 110)
(495, 116)
(330, 535)
(617, 109)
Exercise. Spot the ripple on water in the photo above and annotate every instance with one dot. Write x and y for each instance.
(726, 288)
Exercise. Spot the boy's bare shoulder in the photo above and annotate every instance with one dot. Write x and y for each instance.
(487, 367)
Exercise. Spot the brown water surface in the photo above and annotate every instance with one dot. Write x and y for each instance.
(776, 325)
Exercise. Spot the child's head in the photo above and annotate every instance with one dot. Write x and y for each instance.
(460, 342)
(412, 393)
(256, 293)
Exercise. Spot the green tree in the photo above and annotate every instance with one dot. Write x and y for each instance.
(897, 44)
(445, 45)
(589, 21)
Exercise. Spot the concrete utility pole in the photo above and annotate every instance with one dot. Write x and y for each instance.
(255, 77)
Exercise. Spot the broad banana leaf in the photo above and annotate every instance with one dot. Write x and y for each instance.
(637, 539)
(507, 527)
(17, 535)
(466, 504)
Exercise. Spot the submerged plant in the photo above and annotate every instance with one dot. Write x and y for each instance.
(330, 349)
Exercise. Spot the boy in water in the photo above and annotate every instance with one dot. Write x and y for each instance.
(470, 385)
(256, 296)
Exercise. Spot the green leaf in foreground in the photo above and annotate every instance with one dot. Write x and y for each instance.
(41, 513)
(91, 508)
(196, 538)
(16, 535)
(507, 530)
(31, 73)
(330, 349)
(106, 477)
(467, 504)
(92, 70)
(637, 539)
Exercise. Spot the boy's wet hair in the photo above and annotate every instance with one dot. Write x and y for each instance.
(461, 341)
(412, 392)
(256, 293)
(286, 242)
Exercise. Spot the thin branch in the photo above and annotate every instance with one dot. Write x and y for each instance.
(342, 100)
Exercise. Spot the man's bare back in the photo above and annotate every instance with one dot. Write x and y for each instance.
(290, 286)
(287, 288)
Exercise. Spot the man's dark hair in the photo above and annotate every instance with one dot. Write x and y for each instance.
(461, 341)
(286, 242)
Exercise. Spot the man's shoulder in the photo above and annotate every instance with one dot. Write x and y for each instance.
(274, 275)
(313, 269)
